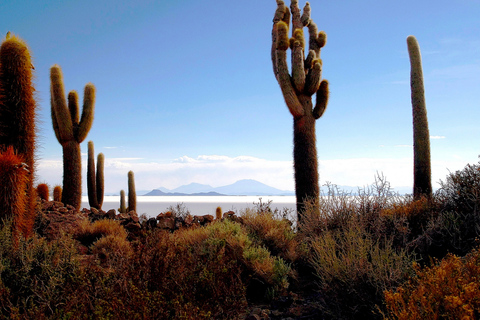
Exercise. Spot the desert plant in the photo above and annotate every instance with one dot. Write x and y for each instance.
(449, 290)
(218, 213)
(123, 208)
(14, 175)
(89, 232)
(43, 191)
(18, 114)
(422, 176)
(70, 131)
(95, 182)
(132, 194)
(57, 193)
(298, 89)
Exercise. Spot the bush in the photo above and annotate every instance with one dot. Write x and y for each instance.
(88, 232)
(450, 290)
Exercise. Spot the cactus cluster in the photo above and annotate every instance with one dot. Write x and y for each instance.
(70, 131)
(17, 132)
(422, 180)
(95, 182)
(298, 88)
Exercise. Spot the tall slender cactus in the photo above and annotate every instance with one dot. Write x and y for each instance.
(95, 182)
(298, 88)
(70, 131)
(132, 194)
(18, 117)
(422, 176)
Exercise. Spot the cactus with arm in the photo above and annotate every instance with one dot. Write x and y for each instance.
(298, 88)
(422, 180)
(70, 132)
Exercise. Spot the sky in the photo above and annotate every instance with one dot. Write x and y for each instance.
(186, 91)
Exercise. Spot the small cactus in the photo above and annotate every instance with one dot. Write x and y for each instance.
(132, 195)
(57, 193)
(123, 208)
(298, 88)
(70, 131)
(95, 182)
(14, 175)
(218, 213)
(43, 192)
(422, 176)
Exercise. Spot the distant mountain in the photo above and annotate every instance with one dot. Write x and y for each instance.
(240, 188)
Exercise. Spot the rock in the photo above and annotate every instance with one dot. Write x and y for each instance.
(166, 223)
(151, 223)
(111, 214)
(62, 210)
(208, 218)
(134, 216)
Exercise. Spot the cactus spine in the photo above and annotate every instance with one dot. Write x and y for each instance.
(70, 132)
(298, 89)
(95, 182)
(422, 180)
(132, 195)
(17, 119)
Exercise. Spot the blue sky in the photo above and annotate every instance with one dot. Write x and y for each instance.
(186, 91)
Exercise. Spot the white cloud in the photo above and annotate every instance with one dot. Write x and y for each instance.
(218, 170)
(437, 137)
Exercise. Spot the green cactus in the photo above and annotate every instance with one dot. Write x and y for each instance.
(422, 176)
(70, 132)
(297, 89)
(18, 115)
(132, 195)
(95, 182)
(123, 208)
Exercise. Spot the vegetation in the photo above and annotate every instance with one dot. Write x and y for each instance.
(298, 89)
(95, 181)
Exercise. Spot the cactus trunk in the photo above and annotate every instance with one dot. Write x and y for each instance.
(422, 180)
(72, 160)
(18, 117)
(305, 161)
(132, 194)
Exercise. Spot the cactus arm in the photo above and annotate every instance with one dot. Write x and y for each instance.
(305, 18)
(100, 179)
(296, 19)
(63, 120)
(313, 78)
(283, 77)
(298, 58)
(91, 180)
(87, 112)
(322, 100)
(281, 14)
(73, 107)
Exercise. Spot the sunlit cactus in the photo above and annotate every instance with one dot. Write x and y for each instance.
(132, 195)
(70, 131)
(298, 87)
(218, 213)
(95, 181)
(14, 175)
(43, 191)
(18, 115)
(422, 176)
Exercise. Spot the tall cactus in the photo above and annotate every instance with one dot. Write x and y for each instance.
(70, 131)
(298, 88)
(57, 193)
(132, 194)
(95, 182)
(18, 114)
(422, 179)
(123, 208)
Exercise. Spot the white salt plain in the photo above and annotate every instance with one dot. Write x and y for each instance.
(197, 205)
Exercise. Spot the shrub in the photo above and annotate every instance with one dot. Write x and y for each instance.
(88, 232)
(353, 270)
(450, 290)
